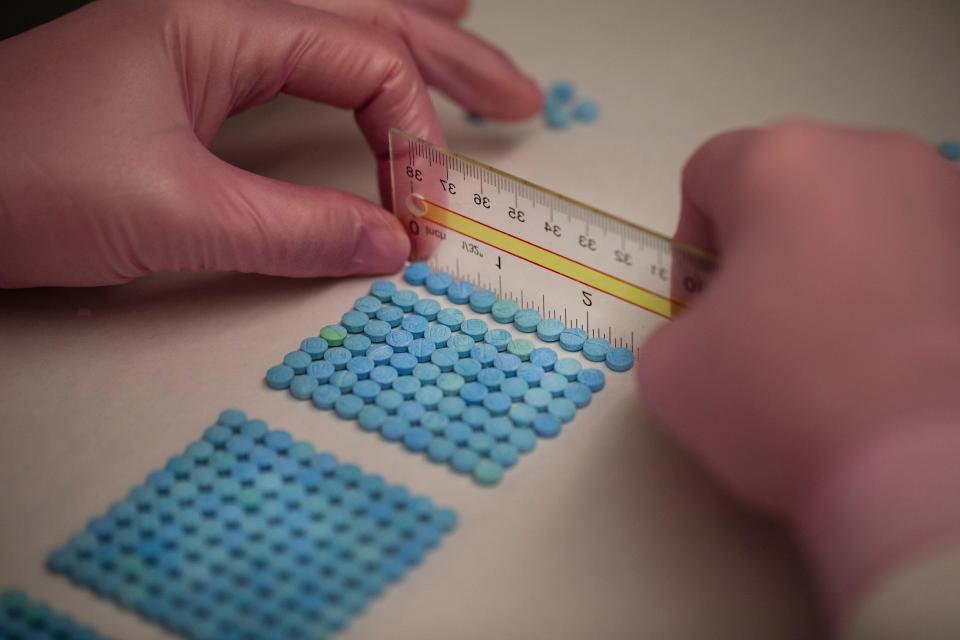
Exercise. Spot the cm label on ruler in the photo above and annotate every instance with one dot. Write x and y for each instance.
(565, 259)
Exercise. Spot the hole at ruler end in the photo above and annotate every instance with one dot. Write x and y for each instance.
(416, 205)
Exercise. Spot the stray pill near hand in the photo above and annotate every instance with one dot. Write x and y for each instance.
(586, 111)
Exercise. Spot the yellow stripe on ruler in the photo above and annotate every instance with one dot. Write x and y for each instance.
(572, 269)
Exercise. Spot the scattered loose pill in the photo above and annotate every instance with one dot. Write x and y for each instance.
(586, 111)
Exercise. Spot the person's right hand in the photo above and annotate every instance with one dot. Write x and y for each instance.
(819, 375)
(106, 115)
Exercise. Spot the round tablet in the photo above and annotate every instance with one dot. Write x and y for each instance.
(325, 395)
(354, 321)
(440, 449)
(298, 361)
(526, 320)
(457, 432)
(382, 290)
(461, 344)
(403, 363)
(406, 386)
(452, 406)
(514, 387)
(504, 310)
(482, 300)
(484, 354)
(497, 403)
(338, 357)
(525, 440)
(380, 353)
(473, 392)
(366, 390)
(434, 422)
(508, 363)
(504, 454)
(460, 291)
(450, 383)
(334, 334)
(390, 314)
(488, 473)
(428, 396)
(411, 411)
(426, 372)
(474, 327)
(619, 359)
(394, 428)
(445, 358)
(384, 375)
(357, 344)
(415, 325)
(438, 334)
(544, 357)
(568, 368)
(416, 273)
(343, 380)
(464, 460)
(572, 339)
(321, 370)
(560, 92)
(314, 347)
(361, 366)
(537, 398)
(593, 378)
(450, 318)
(498, 338)
(405, 299)
(371, 417)
(498, 427)
(549, 329)
(586, 111)
(595, 349)
(530, 373)
(400, 339)
(480, 442)
(578, 393)
(421, 349)
(438, 282)
(348, 406)
(303, 386)
(417, 439)
(468, 368)
(427, 307)
(377, 330)
(562, 409)
(491, 378)
(553, 382)
(522, 414)
(368, 305)
(279, 376)
(547, 425)
(521, 348)
(388, 400)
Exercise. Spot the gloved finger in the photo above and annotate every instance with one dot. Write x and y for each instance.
(450, 9)
(474, 73)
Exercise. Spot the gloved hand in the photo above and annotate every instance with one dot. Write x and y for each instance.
(818, 375)
(106, 115)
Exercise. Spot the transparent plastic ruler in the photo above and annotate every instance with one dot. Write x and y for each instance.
(565, 259)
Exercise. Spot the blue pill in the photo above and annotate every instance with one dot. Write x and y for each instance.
(568, 368)
(371, 417)
(360, 366)
(474, 328)
(394, 428)
(348, 406)
(411, 411)
(586, 111)
(482, 300)
(388, 400)
(298, 361)
(538, 398)
(415, 325)
(366, 390)
(557, 117)
(547, 425)
(484, 354)
(549, 329)
(338, 357)
(544, 357)
(491, 378)
(473, 392)
(354, 321)
(426, 372)
(390, 314)
(343, 380)
(357, 344)
(460, 291)
(377, 330)
(562, 408)
(514, 387)
(578, 393)
(406, 386)
(427, 307)
(438, 334)
(325, 395)
(450, 383)
(457, 432)
(421, 349)
(464, 460)
(572, 339)
(403, 363)
(508, 363)
(949, 149)
(497, 403)
(525, 440)
(461, 344)
(526, 320)
(499, 427)
(468, 368)
(450, 318)
(405, 299)
(445, 358)
(593, 378)
(595, 349)
(504, 454)
(380, 353)
(434, 422)
(416, 273)
(522, 414)
(399, 339)
(560, 92)
(428, 396)
(417, 439)
(383, 290)
(488, 473)
(384, 375)
(498, 338)
(279, 376)
(504, 310)
(303, 386)
(480, 441)
(451, 406)
(553, 382)
(440, 449)
(475, 416)
(368, 305)
(619, 359)
(438, 282)
(314, 347)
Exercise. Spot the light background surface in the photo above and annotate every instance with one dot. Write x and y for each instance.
(608, 531)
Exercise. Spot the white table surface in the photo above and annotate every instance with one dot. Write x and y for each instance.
(608, 531)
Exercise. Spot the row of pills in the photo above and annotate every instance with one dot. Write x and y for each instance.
(22, 618)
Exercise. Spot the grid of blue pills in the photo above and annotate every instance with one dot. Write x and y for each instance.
(248, 535)
(22, 618)
(458, 390)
